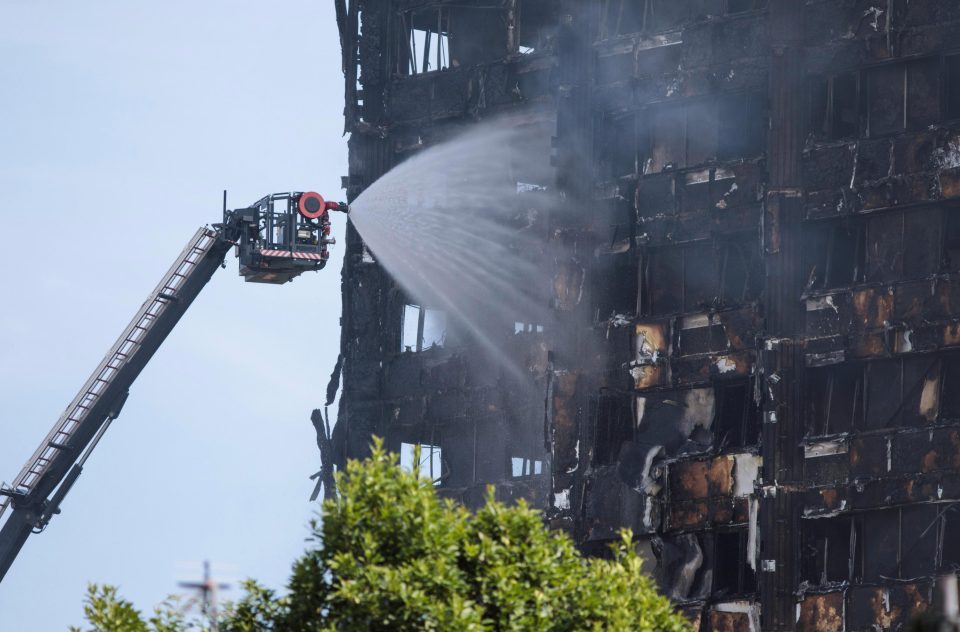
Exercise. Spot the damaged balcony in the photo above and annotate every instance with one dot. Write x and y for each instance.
(456, 59)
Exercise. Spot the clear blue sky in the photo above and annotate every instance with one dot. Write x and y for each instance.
(120, 123)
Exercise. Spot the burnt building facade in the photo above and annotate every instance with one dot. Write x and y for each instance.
(753, 230)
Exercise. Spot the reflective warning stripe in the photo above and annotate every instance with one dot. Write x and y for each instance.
(292, 255)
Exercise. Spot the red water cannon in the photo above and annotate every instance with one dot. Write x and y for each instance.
(312, 205)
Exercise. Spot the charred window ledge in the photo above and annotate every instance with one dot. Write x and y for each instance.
(917, 463)
(911, 391)
(868, 486)
(867, 549)
(621, 62)
(701, 190)
(634, 42)
(913, 169)
(891, 607)
(883, 322)
(624, 17)
(659, 362)
(701, 277)
(426, 99)
(879, 250)
(439, 35)
(685, 133)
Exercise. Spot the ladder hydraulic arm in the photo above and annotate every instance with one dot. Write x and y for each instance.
(277, 238)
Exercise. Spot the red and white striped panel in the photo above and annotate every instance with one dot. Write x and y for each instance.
(292, 255)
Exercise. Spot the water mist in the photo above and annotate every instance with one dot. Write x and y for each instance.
(459, 225)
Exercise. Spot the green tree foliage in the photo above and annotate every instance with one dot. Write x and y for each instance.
(390, 556)
(106, 611)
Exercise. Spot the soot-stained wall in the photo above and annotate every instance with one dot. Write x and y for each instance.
(753, 234)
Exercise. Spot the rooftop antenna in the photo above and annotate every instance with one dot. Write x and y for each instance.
(208, 590)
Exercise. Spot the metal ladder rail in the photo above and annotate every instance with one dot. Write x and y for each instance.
(56, 445)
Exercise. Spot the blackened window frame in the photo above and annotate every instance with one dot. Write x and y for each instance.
(717, 251)
(839, 239)
(423, 312)
(904, 74)
(741, 137)
(901, 379)
(743, 579)
(408, 64)
(651, 20)
(736, 425)
(825, 112)
(820, 543)
(822, 90)
(613, 425)
(826, 385)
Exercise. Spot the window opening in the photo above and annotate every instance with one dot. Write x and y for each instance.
(922, 239)
(733, 574)
(613, 426)
(877, 546)
(529, 187)
(536, 25)
(834, 106)
(950, 388)
(735, 274)
(881, 545)
(742, 133)
(527, 328)
(742, 6)
(918, 540)
(678, 136)
(826, 556)
(951, 240)
(410, 340)
(835, 256)
(434, 328)
(885, 99)
(426, 43)
(738, 272)
(834, 399)
(620, 17)
(952, 80)
(737, 419)
(950, 537)
(702, 334)
(618, 153)
(901, 392)
(664, 281)
(703, 132)
(884, 385)
(903, 96)
(667, 133)
(430, 464)
(923, 85)
(699, 277)
(450, 36)
(423, 328)
(521, 467)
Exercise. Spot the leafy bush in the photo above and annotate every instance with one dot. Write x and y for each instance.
(391, 556)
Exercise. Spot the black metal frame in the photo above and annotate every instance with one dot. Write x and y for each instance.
(274, 225)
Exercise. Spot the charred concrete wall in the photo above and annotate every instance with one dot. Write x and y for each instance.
(753, 229)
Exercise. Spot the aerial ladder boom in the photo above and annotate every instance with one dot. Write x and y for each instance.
(278, 238)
